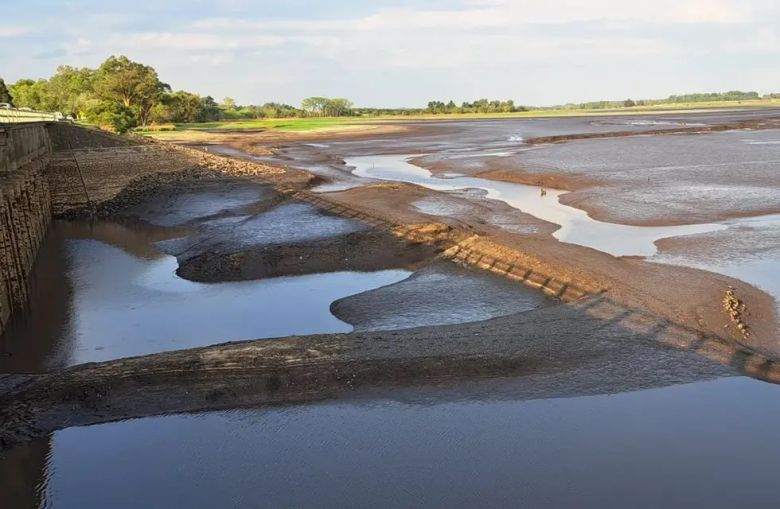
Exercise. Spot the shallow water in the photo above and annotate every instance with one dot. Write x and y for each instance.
(709, 444)
(150, 309)
(576, 227)
(749, 250)
(104, 290)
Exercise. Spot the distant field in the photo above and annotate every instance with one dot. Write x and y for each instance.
(276, 124)
(345, 123)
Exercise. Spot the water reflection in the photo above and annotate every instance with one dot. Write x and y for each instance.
(106, 292)
(576, 227)
(709, 444)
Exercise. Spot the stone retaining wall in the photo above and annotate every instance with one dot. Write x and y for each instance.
(25, 211)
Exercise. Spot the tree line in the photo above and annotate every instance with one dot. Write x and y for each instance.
(732, 95)
(479, 106)
(122, 94)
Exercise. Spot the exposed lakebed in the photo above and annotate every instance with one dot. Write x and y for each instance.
(760, 267)
(576, 227)
(110, 289)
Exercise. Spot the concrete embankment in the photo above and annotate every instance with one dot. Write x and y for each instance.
(25, 209)
(63, 170)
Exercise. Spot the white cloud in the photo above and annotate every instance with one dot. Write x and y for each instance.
(8, 31)
(536, 51)
(192, 41)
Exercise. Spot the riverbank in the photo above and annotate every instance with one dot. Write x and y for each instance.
(623, 323)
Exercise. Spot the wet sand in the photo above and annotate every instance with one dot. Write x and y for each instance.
(643, 360)
(700, 169)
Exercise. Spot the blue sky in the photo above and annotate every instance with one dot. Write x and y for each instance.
(404, 52)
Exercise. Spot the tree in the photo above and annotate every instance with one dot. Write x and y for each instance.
(315, 105)
(209, 110)
(629, 103)
(71, 89)
(130, 84)
(338, 107)
(228, 103)
(32, 94)
(112, 116)
(5, 95)
(179, 107)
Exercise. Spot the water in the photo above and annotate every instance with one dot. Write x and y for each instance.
(749, 250)
(106, 292)
(576, 227)
(150, 309)
(709, 444)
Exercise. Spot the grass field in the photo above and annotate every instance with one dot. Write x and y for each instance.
(346, 123)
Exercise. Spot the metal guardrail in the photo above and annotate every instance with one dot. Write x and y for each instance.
(15, 115)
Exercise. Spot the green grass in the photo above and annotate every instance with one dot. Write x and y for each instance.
(344, 123)
(277, 124)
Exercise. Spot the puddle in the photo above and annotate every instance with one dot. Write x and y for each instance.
(150, 309)
(576, 227)
(118, 304)
(709, 444)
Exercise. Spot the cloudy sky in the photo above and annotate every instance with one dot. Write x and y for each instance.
(406, 52)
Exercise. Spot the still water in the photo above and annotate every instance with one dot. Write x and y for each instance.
(709, 444)
(576, 227)
(121, 297)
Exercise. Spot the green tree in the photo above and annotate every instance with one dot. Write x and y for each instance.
(5, 94)
(228, 103)
(133, 85)
(71, 89)
(315, 105)
(338, 107)
(112, 116)
(32, 94)
(179, 107)
(209, 110)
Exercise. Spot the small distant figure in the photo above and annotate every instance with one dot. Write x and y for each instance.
(543, 192)
(206, 148)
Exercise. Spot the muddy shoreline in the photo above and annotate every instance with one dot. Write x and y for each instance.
(623, 323)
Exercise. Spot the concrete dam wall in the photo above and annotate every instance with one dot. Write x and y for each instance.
(25, 210)
(57, 169)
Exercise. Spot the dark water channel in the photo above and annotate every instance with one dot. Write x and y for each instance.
(709, 444)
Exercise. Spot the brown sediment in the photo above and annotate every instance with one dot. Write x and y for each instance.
(765, 123)
(684, 296)
(358, 251)
(261, 142)
(623, 317)
(580, 196)
(562, 182)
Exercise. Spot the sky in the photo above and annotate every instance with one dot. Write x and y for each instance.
(394, 53)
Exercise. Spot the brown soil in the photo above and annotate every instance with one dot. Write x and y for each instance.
(359, 251)
(627, 324)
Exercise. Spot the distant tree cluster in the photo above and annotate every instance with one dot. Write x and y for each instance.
(734, 95)
(325, 107)
(479, 106)
(121, 95)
